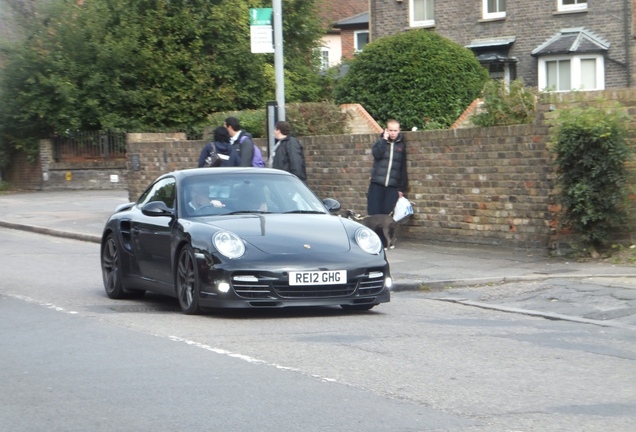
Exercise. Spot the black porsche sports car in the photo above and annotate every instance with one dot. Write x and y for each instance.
(241, 238)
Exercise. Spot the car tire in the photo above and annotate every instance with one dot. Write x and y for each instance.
(187, 282)
(111, 269)
(362, 307)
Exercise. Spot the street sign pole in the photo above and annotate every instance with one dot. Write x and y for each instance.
(279, 68)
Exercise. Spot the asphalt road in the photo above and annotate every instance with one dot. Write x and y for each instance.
(72, 359)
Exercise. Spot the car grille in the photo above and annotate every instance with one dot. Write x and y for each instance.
(371, 286)
(285, 290)
(265, 287)
(252, 290)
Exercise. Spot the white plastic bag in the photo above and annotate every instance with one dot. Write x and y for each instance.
(403, 209)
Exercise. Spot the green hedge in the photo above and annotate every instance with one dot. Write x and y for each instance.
(306, 119)
(590, 148)
(417, 77)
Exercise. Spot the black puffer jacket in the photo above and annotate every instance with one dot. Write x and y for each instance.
(389, 163)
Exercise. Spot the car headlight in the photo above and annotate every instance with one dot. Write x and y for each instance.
(228, 244)
(368, 241)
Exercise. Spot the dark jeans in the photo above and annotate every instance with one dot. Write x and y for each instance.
(380, 199)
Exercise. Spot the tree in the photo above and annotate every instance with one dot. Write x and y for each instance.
(418, 77)
(145, 64)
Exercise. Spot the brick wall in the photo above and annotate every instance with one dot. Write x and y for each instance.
(150, 155)
(360, 121)
(346, 41)
(473, 185)
(485, 186)
(24, 174)
(387, 18)
(78, 175)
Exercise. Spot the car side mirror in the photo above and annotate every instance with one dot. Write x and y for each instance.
(157, 208)
(331, 205)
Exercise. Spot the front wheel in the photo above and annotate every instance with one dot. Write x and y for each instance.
(111, 269)
(187, 281)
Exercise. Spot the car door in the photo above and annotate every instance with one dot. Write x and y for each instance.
(152, 234)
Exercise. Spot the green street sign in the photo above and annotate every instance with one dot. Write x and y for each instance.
(261, 16)
(261, 35)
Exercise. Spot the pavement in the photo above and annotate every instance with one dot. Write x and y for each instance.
(517, 281)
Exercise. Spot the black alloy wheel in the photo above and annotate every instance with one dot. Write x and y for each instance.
(111, 271)
(187, 281)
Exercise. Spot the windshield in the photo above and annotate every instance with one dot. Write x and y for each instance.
(206, 195)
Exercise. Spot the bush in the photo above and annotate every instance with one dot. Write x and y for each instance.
(590, 147)
(506, 105)
(417, 77)
(314, 118)
(252, 121)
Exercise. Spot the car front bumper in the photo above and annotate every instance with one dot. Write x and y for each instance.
(271, 289)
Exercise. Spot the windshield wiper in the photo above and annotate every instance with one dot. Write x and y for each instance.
(247, 211)
(305, 212)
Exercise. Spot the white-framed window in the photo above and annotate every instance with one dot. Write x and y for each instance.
(571, 5)
(566, 73)
(360, 39)
(494, 9)
(324, 58)
(422, 13)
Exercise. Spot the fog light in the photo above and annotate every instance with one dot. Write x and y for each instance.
(388, 282)
(223, 287)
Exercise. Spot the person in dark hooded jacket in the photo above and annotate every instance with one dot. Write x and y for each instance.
(389, 178)
(223, 147)
(288, 154)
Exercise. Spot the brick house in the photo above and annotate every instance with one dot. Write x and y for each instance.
(332, 11)
(354, 34)
(550, 44)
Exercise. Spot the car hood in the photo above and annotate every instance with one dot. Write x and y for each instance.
(287, 233)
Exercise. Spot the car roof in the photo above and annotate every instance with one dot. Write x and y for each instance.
(195, 172)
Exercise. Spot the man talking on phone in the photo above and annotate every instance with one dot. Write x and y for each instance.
(389, 179)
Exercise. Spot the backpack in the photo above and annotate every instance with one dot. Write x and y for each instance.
(257, 159)
(213, 159)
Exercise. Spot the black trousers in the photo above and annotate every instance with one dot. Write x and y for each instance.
(381, 199)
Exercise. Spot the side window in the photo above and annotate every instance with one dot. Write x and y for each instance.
(422, 13)
(558, 75)
(493, 9)
(163, 190)
(360, 39)
(324, 58)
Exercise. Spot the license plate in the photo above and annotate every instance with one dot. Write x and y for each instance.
(333, 277)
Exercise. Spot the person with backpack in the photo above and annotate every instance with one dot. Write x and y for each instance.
(242, 142)
(220, 149)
